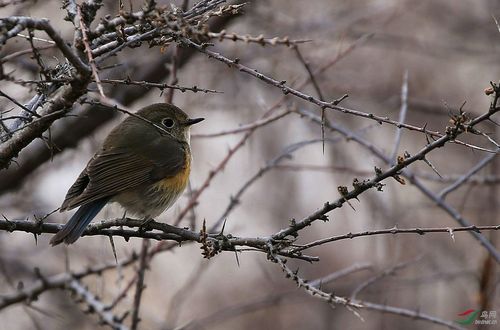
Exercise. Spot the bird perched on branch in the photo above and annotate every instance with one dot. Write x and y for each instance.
(143, 164)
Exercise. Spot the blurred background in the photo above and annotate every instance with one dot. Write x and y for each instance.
(450, 50)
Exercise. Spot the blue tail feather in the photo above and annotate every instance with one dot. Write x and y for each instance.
(75, 227)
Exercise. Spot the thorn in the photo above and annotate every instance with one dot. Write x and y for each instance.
(432, 167)
(113, 248)
(424, 128)
(223, 227)
(399, 179)
(452, 234)
(237, 258)
(323, 128)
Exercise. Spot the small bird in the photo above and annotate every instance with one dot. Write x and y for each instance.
(143, 164)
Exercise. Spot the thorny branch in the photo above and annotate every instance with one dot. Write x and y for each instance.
(352, 304)
(322, 104)
(407, 173)
(218, 241)
(403, 162)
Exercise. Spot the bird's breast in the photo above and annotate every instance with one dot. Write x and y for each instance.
(178, 182)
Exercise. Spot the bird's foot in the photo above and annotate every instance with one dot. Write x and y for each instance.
(143, 226)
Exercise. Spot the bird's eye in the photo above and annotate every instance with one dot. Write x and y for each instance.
(168, 122)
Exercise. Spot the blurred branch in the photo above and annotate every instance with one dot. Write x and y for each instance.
(405, 172)
(235, 309)
(123, 293)
(169, 96)
(218, 169)
(243, 128)
(315, 84)
(5, 3)
(180, 296)
(285, 154)
(29, 111)
(414, 45)
(386, 272)
(449, 178)
(30, 294)
(467, 176)
(143, 265)
(402, 116)
(96, 306)
(332, 277)
(310, 72)
(352, 304)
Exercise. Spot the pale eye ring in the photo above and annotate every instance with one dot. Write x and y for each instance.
(168, 122)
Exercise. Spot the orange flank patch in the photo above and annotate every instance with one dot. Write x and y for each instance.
(178, 182)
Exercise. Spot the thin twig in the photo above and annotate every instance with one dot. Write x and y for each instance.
(244, 128)
(30, 293)
(88, 50)
(169, 96)
(402, 116)
(464, 178)
(387, 272)
(396, 231)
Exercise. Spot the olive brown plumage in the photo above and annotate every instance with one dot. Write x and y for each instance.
(143, 164)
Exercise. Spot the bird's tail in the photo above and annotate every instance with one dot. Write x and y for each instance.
(75, 227)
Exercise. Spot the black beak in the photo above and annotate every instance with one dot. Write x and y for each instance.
(193, 121)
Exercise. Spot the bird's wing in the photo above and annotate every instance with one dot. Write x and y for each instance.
(116, 170)
(76, 189)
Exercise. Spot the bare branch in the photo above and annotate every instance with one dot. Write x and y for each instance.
(402, 116)
(322, 104)
(413, 179)
(396, 231)
(466, 177)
